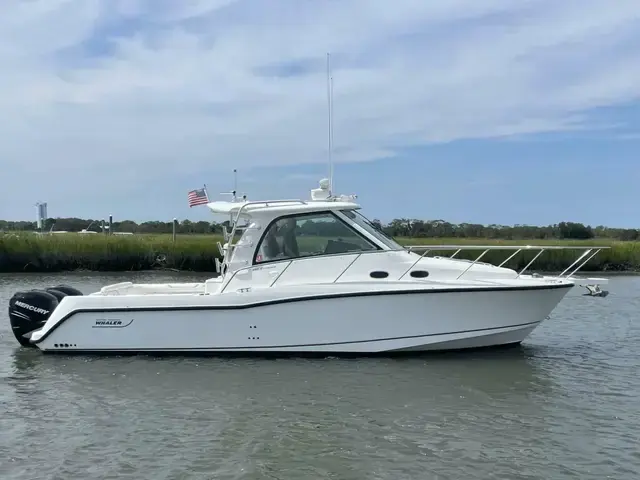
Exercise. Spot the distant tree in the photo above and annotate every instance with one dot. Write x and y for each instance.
(575, 231)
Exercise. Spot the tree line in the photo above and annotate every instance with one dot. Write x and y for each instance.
(404, 227)
(400, 227)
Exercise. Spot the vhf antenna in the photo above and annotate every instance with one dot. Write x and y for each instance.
(235, 184)
(330, 114)
(234, 192)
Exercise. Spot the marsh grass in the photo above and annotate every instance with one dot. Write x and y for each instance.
(64, 252)
(61, 252)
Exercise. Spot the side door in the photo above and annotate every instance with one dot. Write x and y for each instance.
(256, 276)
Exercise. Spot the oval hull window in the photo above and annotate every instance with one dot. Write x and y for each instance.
(419, 274)
(379, 274)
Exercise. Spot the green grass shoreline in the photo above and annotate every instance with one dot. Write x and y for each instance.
(69, 252)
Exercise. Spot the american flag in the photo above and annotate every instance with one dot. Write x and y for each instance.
(198, 197)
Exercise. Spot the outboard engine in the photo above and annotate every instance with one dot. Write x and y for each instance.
(29, 311)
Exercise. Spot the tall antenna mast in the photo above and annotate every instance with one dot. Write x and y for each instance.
(235, 184)
(330, 112)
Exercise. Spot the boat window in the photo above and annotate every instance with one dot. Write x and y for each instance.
(308, 235)
(365, 223)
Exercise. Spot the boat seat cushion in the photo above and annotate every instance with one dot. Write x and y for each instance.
(338, 246)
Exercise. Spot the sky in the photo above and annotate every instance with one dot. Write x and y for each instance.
(497, 111)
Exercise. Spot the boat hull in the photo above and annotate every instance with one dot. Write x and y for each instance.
(359, 322)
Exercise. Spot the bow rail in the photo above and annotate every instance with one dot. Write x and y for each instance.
(588, 251)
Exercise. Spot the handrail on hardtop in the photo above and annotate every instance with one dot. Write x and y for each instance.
(458, 248)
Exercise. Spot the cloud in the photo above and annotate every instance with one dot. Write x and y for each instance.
(157, 88)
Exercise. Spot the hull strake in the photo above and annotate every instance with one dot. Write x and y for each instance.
(513, 334)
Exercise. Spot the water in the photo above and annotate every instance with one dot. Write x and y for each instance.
(564, 405)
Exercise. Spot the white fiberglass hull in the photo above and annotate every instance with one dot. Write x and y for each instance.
(348, 319)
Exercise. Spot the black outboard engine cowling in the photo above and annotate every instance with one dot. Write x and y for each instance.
(29, 311)
(61, 291)
(67, 290)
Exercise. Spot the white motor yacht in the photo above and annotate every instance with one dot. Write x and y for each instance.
(304, 276)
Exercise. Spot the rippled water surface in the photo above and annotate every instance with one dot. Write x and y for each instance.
(564, 405)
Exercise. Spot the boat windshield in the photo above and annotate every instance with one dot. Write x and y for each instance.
(364, 222)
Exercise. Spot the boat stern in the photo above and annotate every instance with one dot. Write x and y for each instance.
(29, 311)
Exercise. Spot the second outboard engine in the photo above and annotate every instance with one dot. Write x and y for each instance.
(28, 311)
(67, 290)
(61, 291)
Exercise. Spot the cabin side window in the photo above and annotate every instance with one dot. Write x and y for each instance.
(308, 235)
